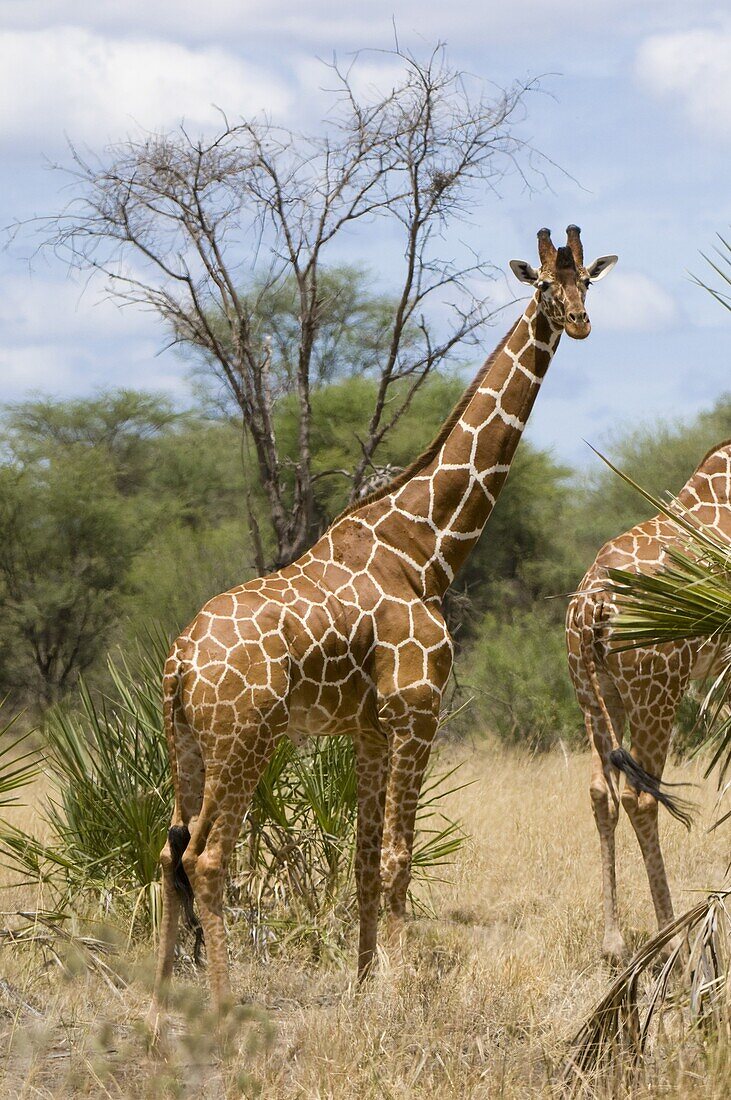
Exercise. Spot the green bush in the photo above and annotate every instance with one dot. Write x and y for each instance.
(108, 811)
(517, 672)
(293, 874)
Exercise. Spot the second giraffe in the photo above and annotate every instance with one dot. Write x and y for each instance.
(641, 688)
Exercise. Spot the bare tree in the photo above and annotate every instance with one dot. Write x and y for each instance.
(200, 231)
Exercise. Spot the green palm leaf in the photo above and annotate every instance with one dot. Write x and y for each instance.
(17, 768)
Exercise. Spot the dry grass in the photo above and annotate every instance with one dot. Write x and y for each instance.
(494, 987)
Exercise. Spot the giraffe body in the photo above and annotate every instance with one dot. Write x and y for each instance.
(639, 688)
(350, 639)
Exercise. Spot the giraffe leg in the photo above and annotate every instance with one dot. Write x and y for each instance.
(409, 758)
(168, 930)
(372, 760)
(188, 776)
(650, 741)
(230, 782)
(642, 811)
(604, 794)
(210, 848)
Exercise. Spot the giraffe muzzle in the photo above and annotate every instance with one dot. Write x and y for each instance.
(578, 325)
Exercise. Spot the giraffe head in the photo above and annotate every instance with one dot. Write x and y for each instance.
(562, 280)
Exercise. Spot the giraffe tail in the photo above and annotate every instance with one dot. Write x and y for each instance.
(178, 834)
(620, 758)
(178, 840)
(586, 619)
(643, 781)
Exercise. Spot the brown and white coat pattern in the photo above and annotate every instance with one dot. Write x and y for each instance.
(350, 639)
(640, 688)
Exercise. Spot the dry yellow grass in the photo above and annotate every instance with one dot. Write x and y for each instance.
(494, 985)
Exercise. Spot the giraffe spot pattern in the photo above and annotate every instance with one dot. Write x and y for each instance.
(641, 688)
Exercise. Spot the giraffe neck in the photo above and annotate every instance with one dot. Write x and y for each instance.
(439, 514)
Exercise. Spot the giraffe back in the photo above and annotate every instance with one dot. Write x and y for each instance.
(643, 548)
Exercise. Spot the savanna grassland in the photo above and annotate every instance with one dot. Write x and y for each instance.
(497, 979)
(119, 517)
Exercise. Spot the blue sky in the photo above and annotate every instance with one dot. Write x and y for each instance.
(636, 107)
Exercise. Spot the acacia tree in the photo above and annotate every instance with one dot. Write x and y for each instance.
(72, 519)
(67, 539)
(202, 230)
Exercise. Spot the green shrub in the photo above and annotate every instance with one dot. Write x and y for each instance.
(293, 874)
(108, 812)
(517, 672)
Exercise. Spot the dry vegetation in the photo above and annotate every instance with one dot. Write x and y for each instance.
(494, 985)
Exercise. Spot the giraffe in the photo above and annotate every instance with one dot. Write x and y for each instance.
(350, 639)
(640, 687)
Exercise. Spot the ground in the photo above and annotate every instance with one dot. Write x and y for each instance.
(495, 982)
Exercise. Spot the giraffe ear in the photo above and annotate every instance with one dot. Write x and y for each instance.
(524, 272)
(601, 267)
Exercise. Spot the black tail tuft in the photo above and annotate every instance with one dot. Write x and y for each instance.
(641, 780)
(178, 839)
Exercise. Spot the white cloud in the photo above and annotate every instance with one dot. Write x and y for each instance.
(34, 309)
(60, 340)
(70, 80)
(47, 368)
(34, 368)
(692, 69)
(628, 301)
(335, 22)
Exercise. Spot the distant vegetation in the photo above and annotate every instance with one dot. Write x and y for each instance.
(118, 512)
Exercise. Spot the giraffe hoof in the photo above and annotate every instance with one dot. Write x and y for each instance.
(156, 1032)
(614, 950)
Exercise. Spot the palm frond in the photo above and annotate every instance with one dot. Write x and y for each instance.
(18, 764)
(721, 264)
(48, 931)
(693, 986)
